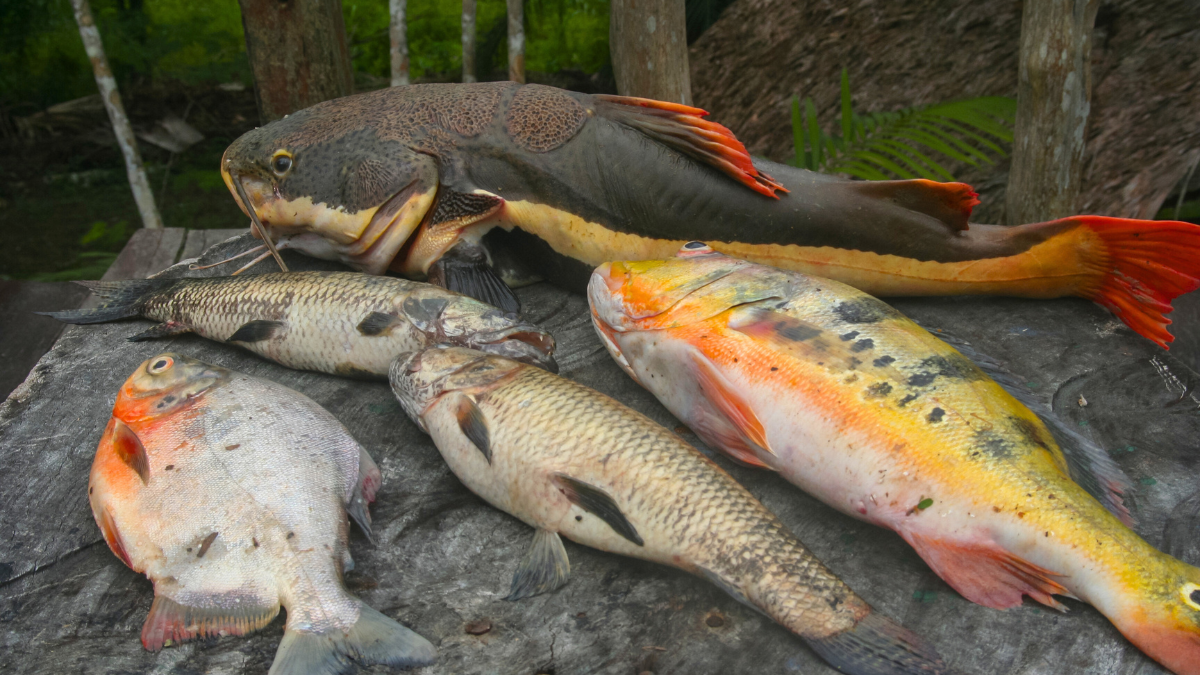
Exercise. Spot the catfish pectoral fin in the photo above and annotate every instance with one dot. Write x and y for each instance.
(464, 269)
(543, 569)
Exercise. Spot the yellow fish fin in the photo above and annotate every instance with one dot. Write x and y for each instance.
(750, 436)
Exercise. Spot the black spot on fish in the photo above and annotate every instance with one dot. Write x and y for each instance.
(578, 519)
(166, 401)
(254, 540)
(954, 367)
(774, 368)
(879, 389)
(168, 467)
(864, 310)
(907, 399)
(883, 361)
(994, 444)
(846, 337)
(235, 446)
(205, 544)
(291, 534)
(1029, 431)
(936, 415)
(921, 379)
(863, 345)
(797, 332)
(854, 362)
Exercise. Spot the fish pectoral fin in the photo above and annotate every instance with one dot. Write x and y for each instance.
(465, 269)
(598, 503)
(112, 536)
(376, 324)
(735, 408)
(129, 449)
(374, 639)
(987, 574)
(257, 331)
(544, 568)
(170, 622)
(162, 330)
(369, 479)
(474, 425)
(951, 203)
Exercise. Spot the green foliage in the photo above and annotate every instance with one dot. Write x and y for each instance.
(882, 146)
(92, 264)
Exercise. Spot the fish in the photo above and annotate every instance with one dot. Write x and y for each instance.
(344, 323)
(234, 508)
(425, 180)
(860, 407)
(569, 461)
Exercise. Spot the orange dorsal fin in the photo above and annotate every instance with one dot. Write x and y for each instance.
(987, 574)
(684, 128)
(737, 412)
(950, 203)
(129, 448)
(171, 622)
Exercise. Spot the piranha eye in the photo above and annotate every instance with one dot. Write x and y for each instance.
(694, 248)
(281, 163)
(1191, 595)
(160, 365)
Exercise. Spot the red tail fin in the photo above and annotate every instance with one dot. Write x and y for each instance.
(1150, 263)
(682, 127)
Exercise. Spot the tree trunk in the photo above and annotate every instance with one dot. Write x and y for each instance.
(142, 194)
(468, 40)
(399, 33)
(1054, 89)
(298, 54)
(516, 41)
(648, 41)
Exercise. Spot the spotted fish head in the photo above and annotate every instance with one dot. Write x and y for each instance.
(329, 182)
(165, 384)
(418, 379)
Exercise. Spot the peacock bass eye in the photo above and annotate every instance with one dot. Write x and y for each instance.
(281, 164)
(1191, 595)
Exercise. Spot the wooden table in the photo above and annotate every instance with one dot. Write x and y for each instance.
(443, 558)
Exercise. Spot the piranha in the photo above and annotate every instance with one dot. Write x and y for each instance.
(865, 410)
(343, 323)
(409, 178)
(570, 461)
(234, 507)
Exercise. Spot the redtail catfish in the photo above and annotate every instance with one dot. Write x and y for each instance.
(399, 177)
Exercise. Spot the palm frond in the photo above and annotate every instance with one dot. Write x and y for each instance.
(904, 143)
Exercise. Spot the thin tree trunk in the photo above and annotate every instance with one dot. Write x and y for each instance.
(648, 41)
(297, 52)
(1054, 88)
(468, 40)
(399, 32)
(142, 194)
(516, 41)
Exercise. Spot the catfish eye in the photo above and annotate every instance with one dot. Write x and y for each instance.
(1191, 595)
(694, 248)
(160, 365)
(281, 164)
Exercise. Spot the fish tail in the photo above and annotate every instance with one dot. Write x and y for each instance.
(118, 300)
(876, 645)
(374, 639)
(1149, 264)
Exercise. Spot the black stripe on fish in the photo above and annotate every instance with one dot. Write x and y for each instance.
(377, 323)
(597, 502)
(256, 331)
(474, 426)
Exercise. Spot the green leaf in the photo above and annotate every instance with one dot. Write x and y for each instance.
(814, 134)
(925, 503)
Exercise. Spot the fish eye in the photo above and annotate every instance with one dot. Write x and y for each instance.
(694, 248)
(1191, 595)
(281, 163)
(160, 365)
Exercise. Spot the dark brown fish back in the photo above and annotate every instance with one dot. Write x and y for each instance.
(540, 118)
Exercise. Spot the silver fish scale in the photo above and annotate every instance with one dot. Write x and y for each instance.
(690, 513)
(269, 472)
(320, 313)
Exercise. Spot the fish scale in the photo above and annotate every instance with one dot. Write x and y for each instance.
(570, 461)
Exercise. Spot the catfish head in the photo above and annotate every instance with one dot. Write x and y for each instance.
(334, 182)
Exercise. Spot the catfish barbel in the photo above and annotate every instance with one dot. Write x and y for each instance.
(406, 177)
(873, 415)
(344, 323)
(571, 461)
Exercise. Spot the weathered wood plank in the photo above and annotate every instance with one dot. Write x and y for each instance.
(24, 336)
(444, 558)
(147, 252)
(199, 241)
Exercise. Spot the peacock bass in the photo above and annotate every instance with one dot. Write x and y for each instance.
(407, 178)
(868, 412)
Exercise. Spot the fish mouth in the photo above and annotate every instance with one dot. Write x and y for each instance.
(523, 342)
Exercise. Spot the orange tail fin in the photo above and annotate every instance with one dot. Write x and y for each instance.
(1150, 263)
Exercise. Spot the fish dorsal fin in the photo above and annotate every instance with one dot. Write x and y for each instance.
(736, 411)
(544, 568)
(257, 331)
(172, 622)
(985, 573)
(598, 503)
(1088, 464)
(128, 447)
(950, 203)
(474, 425)
(684, 128)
